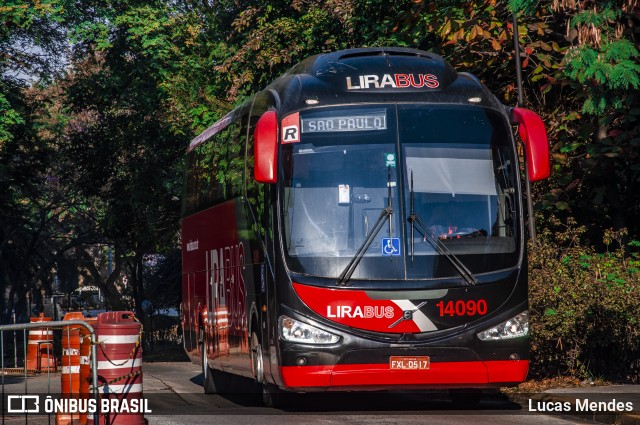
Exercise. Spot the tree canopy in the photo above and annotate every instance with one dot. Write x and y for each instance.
(98, 100)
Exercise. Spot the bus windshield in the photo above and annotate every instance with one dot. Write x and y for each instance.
(451, 167)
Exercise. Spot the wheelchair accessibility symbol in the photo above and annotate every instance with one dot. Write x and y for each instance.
(390, 246)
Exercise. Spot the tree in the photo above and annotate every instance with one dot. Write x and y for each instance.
(118, 149)
(31, 40)
(587, 85)
(103, 138)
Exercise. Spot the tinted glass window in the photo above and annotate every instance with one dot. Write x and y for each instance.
(451, 167)
(215, 170)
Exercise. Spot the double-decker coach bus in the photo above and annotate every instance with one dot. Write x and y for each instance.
(358, 225)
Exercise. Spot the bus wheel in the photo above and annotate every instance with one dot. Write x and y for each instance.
(256, 358)
(271, 394)
(208, 382)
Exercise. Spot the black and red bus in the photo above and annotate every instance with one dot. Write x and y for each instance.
(358, 225)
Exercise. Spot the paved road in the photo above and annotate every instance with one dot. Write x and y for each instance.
(175, 395)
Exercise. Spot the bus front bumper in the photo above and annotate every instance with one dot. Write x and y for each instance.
(439, 375)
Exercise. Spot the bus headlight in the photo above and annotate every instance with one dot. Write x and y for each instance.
(515, 327)
(295, 331)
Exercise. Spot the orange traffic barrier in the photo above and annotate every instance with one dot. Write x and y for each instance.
(40, 355)
(119, 356)
(70, 376)
(85, 364)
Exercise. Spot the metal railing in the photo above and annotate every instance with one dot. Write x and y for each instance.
(30, 374)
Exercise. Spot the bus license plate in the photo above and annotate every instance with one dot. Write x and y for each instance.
(409, 363)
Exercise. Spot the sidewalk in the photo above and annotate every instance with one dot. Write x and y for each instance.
(611, 404)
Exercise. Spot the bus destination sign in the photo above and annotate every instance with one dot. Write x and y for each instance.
(368, 122)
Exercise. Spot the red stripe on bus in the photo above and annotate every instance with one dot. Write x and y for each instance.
(354, 308)
(507, 370)
(306, 376)
(442, 373)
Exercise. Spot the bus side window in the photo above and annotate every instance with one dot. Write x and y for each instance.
(225, 172)
(203, 187)
(233, 175)
(254, 190)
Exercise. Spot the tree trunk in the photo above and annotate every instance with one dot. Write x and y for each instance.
(108, 286)
(137, 284)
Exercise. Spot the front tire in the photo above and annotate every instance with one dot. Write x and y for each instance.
(207, 374)
(272, 396)
(256, 358)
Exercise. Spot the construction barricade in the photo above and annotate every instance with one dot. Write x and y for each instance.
(70, 376)
(40, 353)
(119, 361)
(85, 365)
(31, 392)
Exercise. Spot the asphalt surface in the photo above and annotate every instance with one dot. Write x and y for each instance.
(177, 387)
(175, 396)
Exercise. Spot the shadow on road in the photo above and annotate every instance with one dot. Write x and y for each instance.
(246, 393)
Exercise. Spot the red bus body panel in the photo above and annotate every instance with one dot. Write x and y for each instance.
(213, 264)
(439, 375)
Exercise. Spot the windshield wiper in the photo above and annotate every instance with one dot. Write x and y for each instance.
(385, 215)
(416, 223)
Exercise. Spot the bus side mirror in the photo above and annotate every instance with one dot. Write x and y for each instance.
(265, 148)
(534, 137)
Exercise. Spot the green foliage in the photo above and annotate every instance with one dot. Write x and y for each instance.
(609, 73)
(270, 40)
(116, 159)
(525, 6)
(9, 117)
(591, 17)
(584, 306)
(604, 63)
(582, 76)
(32, 17)
(29, 39)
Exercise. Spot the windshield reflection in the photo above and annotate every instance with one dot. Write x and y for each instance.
(337, 183)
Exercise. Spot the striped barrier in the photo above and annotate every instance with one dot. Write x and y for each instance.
(70, 376)
(61, 403)
(40, 355)
(85, 364)
(119, 356)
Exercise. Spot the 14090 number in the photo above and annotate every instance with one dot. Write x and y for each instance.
(462, 308)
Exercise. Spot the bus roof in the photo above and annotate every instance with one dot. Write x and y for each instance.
(374, 75)
(369, 75)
